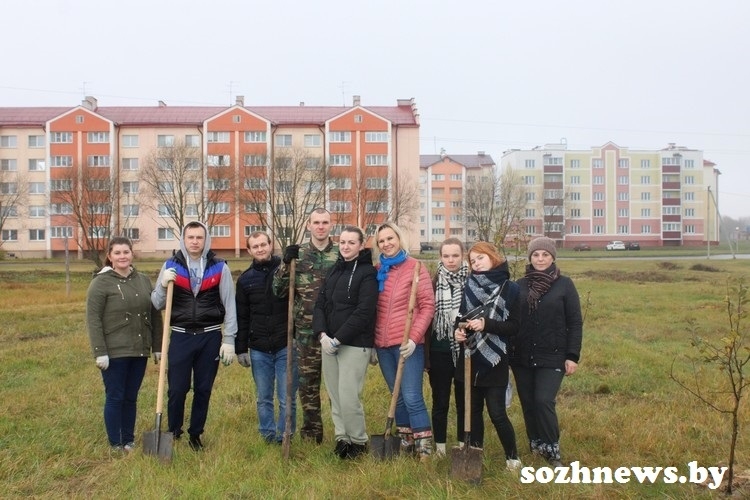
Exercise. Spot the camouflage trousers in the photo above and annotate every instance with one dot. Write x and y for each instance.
(309, 366)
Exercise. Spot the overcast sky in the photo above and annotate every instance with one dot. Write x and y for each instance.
(486, 75)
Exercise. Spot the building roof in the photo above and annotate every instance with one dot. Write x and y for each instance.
(468, 161)
(401, 115)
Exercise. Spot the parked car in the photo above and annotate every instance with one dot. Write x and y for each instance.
(582, 247)
(425, 247)
(616, 245)
(632, 245)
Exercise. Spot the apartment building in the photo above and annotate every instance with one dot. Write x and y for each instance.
(443, 182)
(238, 165)
(665, 197)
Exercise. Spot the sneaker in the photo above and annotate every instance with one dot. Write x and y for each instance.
(513, 464)
(129, 448)
(342, 448)
(195, 443)
(116, 450)
(439, 450)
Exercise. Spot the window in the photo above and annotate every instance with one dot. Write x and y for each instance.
(222, 137)
(192, 141)
(192, 187)
(130, 163)
(689, 163)
(623, 212)
(529, 163)
(598, 212)
(530, 212)
(376, 136)
(689, 196)
(192, 164)
(37, 211)
(622, 229)
(165, 233)
(37, 188)
(10, 211)
(341, 160)
(645, 163)
(646, 179)
(438, 177)
(165, 141)
(131, 233)
(575, 179)
(645, 196)
(130, 210)
(575, 212)
(670, 226)
(670, 210)
(597, 163)
(282, 163)
(623, 163)
(689, 179)
(8, 187)
(284, 209)
(598, 180)
(623, 196)
(456, 177)
(689, 229)
(455, 218)
(61, 161)
(36, 234)
(60, 137)
(98, 184)
(312, 140)
(255, 183)
(8, 141)
(130, 187)
(165, 210)
(530, 196)
(376, 183)
(218, 160)
(438, 204)
(218, 207)
(340, 183)
(255, 136)
(373, 160)
(60, 209)
(575, 196)
(455, 191)
(357, 118)
(8, 165)
(598, 196)
(671, 160)
(312, 163)
(79, 118)
(528, 180)
(689, 212)
(36, 141)
(215, 184)
(376, 207)
(340, 137)
(284, 186)
(255, 160)
(283, 140)
(253, 229)
(598, 229)
(553, 160)
(236, 118)
(575, 229)
(645, 212)
(575, 163)
(10, 234)
(165, 187)
(129, 141)
(99, 208)
(191, 210)
(646, 229)
(622, 180)
(218, 231)
(97, 138)
(99, 161)
(438, 231)
(255, 208)
(339, 206)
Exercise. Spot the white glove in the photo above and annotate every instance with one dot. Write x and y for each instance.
(226, 354)
(102, 362)
(244, 359)
(408, 349)
(328, 345)
(157, 358)
(168, 275)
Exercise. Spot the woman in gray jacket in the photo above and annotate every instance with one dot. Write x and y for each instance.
(123, 328)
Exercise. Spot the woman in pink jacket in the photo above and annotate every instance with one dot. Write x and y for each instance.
(395, 277)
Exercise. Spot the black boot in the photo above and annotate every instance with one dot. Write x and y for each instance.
(342, 448)
(356, 450)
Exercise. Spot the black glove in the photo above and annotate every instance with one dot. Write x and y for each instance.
(291, 253)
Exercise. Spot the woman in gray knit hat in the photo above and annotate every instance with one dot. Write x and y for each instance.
(547, 347)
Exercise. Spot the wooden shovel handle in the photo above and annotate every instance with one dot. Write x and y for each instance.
(286, 440)
(166, 331)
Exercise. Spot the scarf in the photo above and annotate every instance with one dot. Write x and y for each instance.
(385, 266)
(539, 283)
(449, 288)
(487, 287)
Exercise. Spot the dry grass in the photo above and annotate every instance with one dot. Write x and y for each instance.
(620, 409)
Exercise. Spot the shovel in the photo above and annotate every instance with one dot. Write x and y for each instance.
(157, 442)
(466, 461)
(286, 440)
(388, 445)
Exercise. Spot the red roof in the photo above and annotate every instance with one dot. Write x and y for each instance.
(468, 161)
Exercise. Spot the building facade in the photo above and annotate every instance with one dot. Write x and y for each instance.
(121, 169)
(665, 197)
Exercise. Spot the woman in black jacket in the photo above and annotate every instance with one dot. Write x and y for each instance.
(547, 347)
(344, 320)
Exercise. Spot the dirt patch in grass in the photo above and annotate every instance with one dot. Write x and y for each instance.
(636, 277)
(37, 335)
(703, 267)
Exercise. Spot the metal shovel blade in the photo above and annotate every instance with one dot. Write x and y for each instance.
(385, 446)
(466, 464)
(158, 443)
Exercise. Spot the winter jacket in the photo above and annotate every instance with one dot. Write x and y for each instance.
(553, 332)
(202, 310)
(261, 315)
(347, 301)
(120, 318)
(393, 305)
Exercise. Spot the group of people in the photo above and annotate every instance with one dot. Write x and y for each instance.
(353, 307)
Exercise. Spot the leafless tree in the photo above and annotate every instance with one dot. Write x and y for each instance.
(280, 192)
(179, 185)
(509, 207)
(13, 190)
(480, 203)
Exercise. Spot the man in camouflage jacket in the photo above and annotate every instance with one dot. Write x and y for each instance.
(315, 259)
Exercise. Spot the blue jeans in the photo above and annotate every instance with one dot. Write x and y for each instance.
(269, 370)
(411, 410)
(122, 381)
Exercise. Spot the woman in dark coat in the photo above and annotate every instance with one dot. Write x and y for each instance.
(344, 320)
(547, 347)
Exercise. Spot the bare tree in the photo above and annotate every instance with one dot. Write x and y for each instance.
(509, 207)
(281, 193)
(13, 190)
(88, 193)
(179, 185)
(480, 203)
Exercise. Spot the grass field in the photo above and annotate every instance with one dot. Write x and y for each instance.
(620, 409)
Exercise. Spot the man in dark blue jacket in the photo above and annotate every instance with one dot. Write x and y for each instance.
(262, 337)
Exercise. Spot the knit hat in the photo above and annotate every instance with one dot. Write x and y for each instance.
(543, 243)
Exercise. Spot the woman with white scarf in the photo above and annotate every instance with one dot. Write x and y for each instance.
(442, 349)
